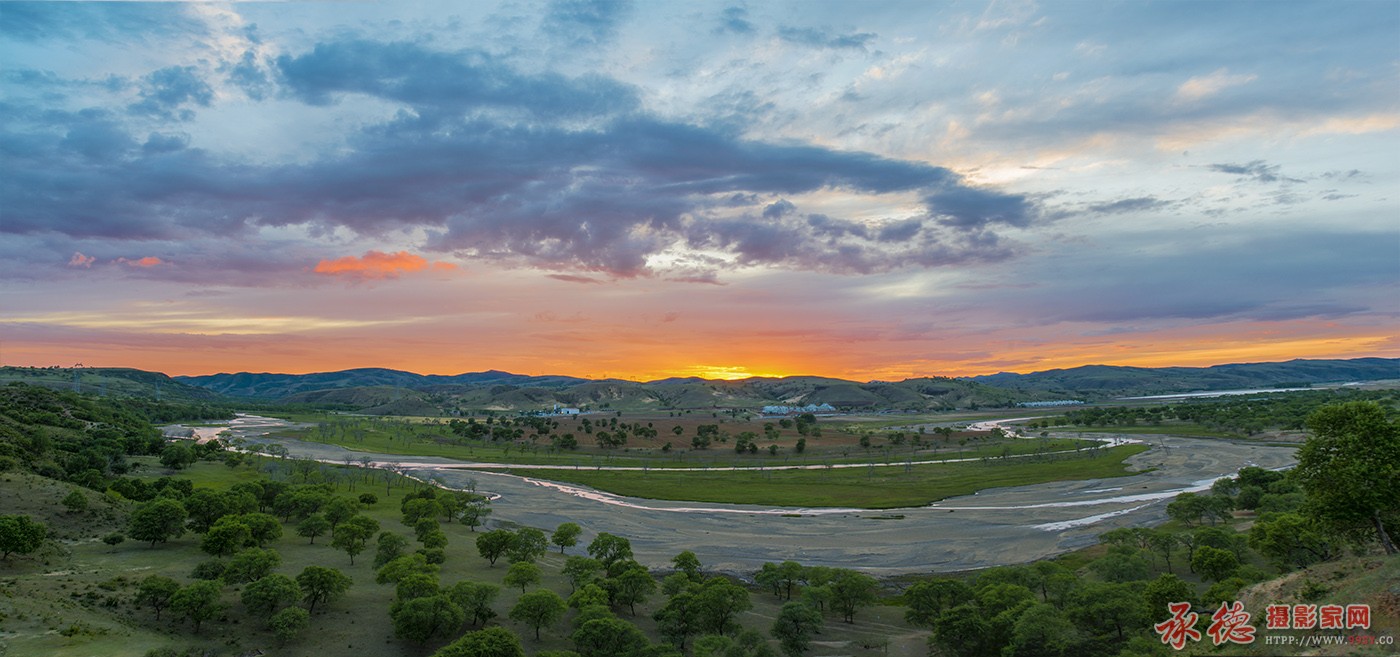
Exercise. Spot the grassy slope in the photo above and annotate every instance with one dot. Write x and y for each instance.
(40, 596)
(871, 488)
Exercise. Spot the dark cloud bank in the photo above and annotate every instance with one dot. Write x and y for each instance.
(564, 173)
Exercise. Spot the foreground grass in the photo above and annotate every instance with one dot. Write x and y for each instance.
(866, 488)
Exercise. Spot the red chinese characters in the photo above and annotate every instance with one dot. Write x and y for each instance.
(1231, 624)
(1181, 626)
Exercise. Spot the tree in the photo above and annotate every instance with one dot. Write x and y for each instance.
(314, 525)
(474, 511)
(494, 543)
(717, 602)
(251, 565)
(566, 535)
(1213, 563)
(389, 548)
(851, 591)
(475, 599)
(608, 637)
(352, 535)
(176, 456)
(265, 596)
(75, 502)
(197, 602)
(929, 599)
(155, 592)
(581, 570)
(1166, 589)
(320, 584)
(522, 574)
(339, 510)
(416, 585)
(528, 544)
(157, 521)
(1041, 631)
(610, 551)
(1290, 540)
(289, 622)
(538, 609)
(227, 536)
(264, 527)
(1350, 470)
(420, 619)
(401, 567)
(490, 642)
(630, 586)
(205, 507)
(794, 627)
(677, 620)
(689, 564)
(21, 535)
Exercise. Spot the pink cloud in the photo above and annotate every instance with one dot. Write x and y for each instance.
(379, 265)
(80, 260)
(148, 261)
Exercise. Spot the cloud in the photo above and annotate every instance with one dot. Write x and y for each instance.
(80, 260)
(815, 38)
(144, 263)
(565, 174)
(1257, 170)
(1202, 87)
(1126, 205)
(734, 20)
(585, 23)
(165, 92)
(378, 265)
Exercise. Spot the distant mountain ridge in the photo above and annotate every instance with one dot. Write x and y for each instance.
(380, 390)
(1111, 380)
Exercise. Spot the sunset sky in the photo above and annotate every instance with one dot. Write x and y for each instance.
(869, 190)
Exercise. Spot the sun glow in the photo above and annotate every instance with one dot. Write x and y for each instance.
(726, 372)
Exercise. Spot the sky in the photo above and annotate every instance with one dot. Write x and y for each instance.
(868, 190)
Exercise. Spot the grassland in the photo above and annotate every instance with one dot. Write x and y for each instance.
(75, 598)
(867, 488)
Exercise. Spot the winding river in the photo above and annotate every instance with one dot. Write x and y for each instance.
(993, 527)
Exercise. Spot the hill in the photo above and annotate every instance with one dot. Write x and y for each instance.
(1111, 381)
(109, 382)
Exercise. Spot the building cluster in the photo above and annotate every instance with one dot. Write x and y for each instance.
(1046, 404)
(792, 410)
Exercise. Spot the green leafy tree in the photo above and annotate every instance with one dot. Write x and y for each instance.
(1166, 589)
(177, 456)
(494, 543)
(1350, 470)
(522, 574)
(581, 570)
(528, 544)
(205, 507)
(288, 623)
(850, 592)
(794, 627)
(538, 609)
(197, 602)
(474, 512)
(566, 536)
(475, 599)
(718, 602)
(416, 585)
(489, 642)
(1290, 540)
(321, 585)
(677, 620)
(314, 525)
(340, 509)
(352, 535)
(608, 637)
(265, 596)
(1042, 631)
(264, 528)
(75, 501)
(251, 565)
(1214, 564)
(630, 586)
(927, 600)
(389, 547)
(20, 534)
(227, 536)
(401, 567)
(155, 592)
(421, 619)
(686, 562)
(157, 521)
(611, 551)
